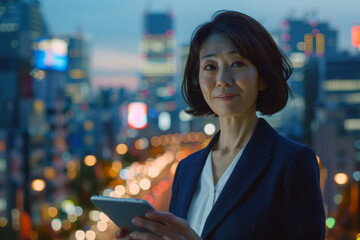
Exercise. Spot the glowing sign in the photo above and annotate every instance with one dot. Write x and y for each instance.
(137, 115)
(51, 54)
(355, 36)
(308, 40)
(320, 44)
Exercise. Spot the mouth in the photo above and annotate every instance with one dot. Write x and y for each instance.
(226, 96)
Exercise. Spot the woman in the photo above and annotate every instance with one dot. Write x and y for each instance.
(249, 182)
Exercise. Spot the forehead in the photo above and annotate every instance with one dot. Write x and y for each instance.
(216, 44)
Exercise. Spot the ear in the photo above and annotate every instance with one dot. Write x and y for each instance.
(262, 85)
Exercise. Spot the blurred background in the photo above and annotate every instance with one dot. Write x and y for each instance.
(90, 103)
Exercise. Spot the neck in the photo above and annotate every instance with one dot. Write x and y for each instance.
(235, 132)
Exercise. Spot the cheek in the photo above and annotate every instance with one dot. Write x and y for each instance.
(249, 82)
(205, 87)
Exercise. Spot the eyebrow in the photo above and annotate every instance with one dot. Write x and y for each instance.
(233, 51)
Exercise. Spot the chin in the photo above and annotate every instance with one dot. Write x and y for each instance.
(228, 114)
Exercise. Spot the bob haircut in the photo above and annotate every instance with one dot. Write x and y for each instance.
(253, 42)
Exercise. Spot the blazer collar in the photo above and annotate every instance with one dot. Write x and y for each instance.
(256, 157)
(193, 172)
(257, 150)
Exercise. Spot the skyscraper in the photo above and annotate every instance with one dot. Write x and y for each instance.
(336, 125)
(20, 24)
(303, 40)
(158, 71)
(78, 71)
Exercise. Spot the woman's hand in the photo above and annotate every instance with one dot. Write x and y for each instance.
(163, 225)
(121, 235)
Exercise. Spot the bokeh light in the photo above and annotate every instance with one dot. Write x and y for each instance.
(90, 160)
(120, 190)
(141, 144)
(56, 224)
(153, 172)
(145, 184)
(49, 173)
(38, 185)
(52, 211)
(338, 199)
(330, 222)
(341, 178)
(122, 148)
(134, 189)
(72, 217)
(155, 141)
(80, 235)
(78, 211)
(117, 166)
(209, 129)
(68, 206)
(90, 235)
(94, 215)
(104, 217)
(66, 225)
(102, 226)
(88, 125)
(3, 222)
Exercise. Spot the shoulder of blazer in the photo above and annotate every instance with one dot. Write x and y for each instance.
(290, 149)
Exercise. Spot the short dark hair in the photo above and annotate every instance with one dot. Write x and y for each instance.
(253, 42)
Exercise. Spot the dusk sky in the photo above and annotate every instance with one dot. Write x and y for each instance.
(115, 26)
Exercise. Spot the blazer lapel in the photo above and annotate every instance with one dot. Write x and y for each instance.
(193, 171)
(256, 157)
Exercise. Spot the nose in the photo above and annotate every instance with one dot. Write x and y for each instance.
(225, 79)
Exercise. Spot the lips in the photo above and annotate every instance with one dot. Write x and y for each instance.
(226, 96)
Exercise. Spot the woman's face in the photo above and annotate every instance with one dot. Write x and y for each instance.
(228, 81)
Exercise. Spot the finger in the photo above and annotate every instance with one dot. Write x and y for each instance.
(126, 237)
(166, 218)
(143, 236)
(121, 235)
(156, 227)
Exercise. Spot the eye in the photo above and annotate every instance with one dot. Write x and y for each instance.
(209, 67)
(238, 64)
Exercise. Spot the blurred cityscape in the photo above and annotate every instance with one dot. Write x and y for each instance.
(61, 143)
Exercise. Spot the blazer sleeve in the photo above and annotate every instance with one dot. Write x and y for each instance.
(304, 216)
(175, 189)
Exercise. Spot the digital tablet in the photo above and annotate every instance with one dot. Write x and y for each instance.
(122, 210)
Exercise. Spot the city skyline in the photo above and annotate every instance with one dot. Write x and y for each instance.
(60, 143)
(115, 27)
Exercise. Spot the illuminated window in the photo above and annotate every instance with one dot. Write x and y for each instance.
(352, 124)
(308, 40)
(320, 44)
(342, 85)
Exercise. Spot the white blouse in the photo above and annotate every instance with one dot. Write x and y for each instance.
(206, 193)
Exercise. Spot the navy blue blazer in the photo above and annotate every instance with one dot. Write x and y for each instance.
(273, 192)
